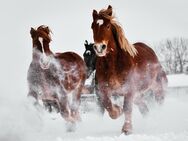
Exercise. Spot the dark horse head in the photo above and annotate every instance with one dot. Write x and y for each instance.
(89, 58)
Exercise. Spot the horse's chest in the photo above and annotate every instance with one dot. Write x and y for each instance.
(34, 75)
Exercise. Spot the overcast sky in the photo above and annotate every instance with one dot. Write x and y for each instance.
(142, 20)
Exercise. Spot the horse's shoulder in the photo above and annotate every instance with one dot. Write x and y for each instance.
(70, 57)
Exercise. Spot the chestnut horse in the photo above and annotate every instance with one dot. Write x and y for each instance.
(56, 79)
(124, 69)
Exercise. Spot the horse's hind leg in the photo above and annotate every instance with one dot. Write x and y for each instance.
(127, 108)
(159, 94)
(139, 101)
(159, 89)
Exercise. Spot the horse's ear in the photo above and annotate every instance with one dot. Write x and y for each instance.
(32, 32)
(95, 14)
(109, 6)
(110, 10)
(86, 42)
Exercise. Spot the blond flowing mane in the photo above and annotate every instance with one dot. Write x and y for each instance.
(123, 42)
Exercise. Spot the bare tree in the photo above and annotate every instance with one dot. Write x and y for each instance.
(173, 53)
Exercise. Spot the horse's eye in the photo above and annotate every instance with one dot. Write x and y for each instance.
(88, 52)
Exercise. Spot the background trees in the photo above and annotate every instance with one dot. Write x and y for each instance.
(173, 54)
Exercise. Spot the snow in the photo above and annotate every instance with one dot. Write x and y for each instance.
(178, 80)
(21, 121)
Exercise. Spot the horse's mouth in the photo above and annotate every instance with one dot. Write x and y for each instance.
(45, 66)
(45, 63)
(100, 53)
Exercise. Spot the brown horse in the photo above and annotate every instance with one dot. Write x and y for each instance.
(57, 79)
(124, 69)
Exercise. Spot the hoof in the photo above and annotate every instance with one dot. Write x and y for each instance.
(127, 128)
(159, 99)
(126, 132)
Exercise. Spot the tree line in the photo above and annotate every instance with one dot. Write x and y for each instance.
(173, 54)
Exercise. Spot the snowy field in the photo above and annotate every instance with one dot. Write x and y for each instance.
(20, 121)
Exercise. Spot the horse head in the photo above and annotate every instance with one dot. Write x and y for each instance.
(89, 58)
(108, 34)
(41, 39)
(102, 32)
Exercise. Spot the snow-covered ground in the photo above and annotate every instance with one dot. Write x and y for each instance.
(180, 80)
(20, 121)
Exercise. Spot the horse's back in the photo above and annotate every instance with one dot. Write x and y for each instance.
(74, 69)
(69, 56)
(145, 53)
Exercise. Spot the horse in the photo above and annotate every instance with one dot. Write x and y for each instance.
(124, 69)
(56, 79)
(89, 58)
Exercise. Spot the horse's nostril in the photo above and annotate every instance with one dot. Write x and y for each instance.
(103, 46)
(94, 46)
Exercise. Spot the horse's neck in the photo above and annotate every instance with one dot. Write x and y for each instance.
(118, 58)
(108, 63)
(36, 55)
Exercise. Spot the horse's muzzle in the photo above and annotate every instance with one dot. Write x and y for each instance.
(100, 49)
(45, 62)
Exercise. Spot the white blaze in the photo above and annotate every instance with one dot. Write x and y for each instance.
(45, 60)
(100, 22)
(41, 42)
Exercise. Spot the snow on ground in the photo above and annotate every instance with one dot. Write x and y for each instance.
(20, 121)
(178, 80)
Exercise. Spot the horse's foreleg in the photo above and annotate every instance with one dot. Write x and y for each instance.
(114, 110)
(34, 96)
(99, 100)
(64, 110)
(76, 104)
(127, 108)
